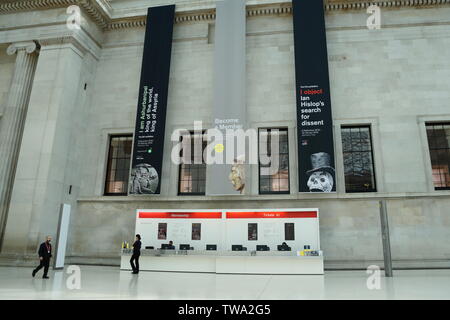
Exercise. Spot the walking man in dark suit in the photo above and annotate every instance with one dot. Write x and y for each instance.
(45, 253)
(136, 253)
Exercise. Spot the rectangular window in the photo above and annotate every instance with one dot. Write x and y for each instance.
(192, 176)
(118, 167)
(358, 159)
(289, 231)
(273, 161)
(162, 231)
(439, 145)
(252, 231)
(196, 231)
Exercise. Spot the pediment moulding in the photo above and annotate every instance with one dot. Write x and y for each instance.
(101, 12)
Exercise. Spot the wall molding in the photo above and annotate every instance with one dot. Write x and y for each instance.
(100, 11)
(275, 10)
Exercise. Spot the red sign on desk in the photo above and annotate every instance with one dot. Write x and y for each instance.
(180, 215)
(271, 214)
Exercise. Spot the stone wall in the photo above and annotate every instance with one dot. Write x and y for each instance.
(349, 228)
(394, 79)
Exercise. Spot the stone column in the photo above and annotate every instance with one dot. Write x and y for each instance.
(50, 151)
(12, 122)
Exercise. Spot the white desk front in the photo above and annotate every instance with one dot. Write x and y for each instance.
(233, 262)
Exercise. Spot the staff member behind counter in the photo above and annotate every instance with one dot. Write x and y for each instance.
(136, 253)
(169, 246)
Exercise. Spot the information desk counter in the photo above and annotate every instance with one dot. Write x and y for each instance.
(251, 262)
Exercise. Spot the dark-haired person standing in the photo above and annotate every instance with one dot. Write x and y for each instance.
(136, 253)
(45, 253)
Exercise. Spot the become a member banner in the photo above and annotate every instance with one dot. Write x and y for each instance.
(145, 177)
(229, 106)
(314, 119)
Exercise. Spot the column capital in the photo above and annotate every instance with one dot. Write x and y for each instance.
(28, 46)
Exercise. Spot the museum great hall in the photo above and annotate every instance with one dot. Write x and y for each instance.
(68, 99)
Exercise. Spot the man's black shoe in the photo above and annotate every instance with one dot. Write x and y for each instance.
(34, 273)
(45, 277)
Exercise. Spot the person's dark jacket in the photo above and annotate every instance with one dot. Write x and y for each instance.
(137, 247)
(43, 251)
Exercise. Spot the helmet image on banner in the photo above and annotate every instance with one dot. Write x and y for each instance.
(144, 179)
(321, 175)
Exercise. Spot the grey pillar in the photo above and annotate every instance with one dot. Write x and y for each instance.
(229, 107)
(13, 120)
(385, 239)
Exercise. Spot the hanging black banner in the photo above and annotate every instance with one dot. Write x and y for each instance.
(145, 176)
(314, 119)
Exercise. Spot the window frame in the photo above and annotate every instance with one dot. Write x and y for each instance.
(108, 165)
(179, 171)
(446, 123)
(369, 126)
(288, 163)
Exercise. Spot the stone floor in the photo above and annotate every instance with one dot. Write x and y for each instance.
(111, 283)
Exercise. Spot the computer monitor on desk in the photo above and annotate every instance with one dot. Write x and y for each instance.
(283, 248)
(211, 247)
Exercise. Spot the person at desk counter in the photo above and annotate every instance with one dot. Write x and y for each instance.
(136, 253)
(167, 246)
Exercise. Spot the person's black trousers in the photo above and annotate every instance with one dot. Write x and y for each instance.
(45, 263)
(135, 257)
